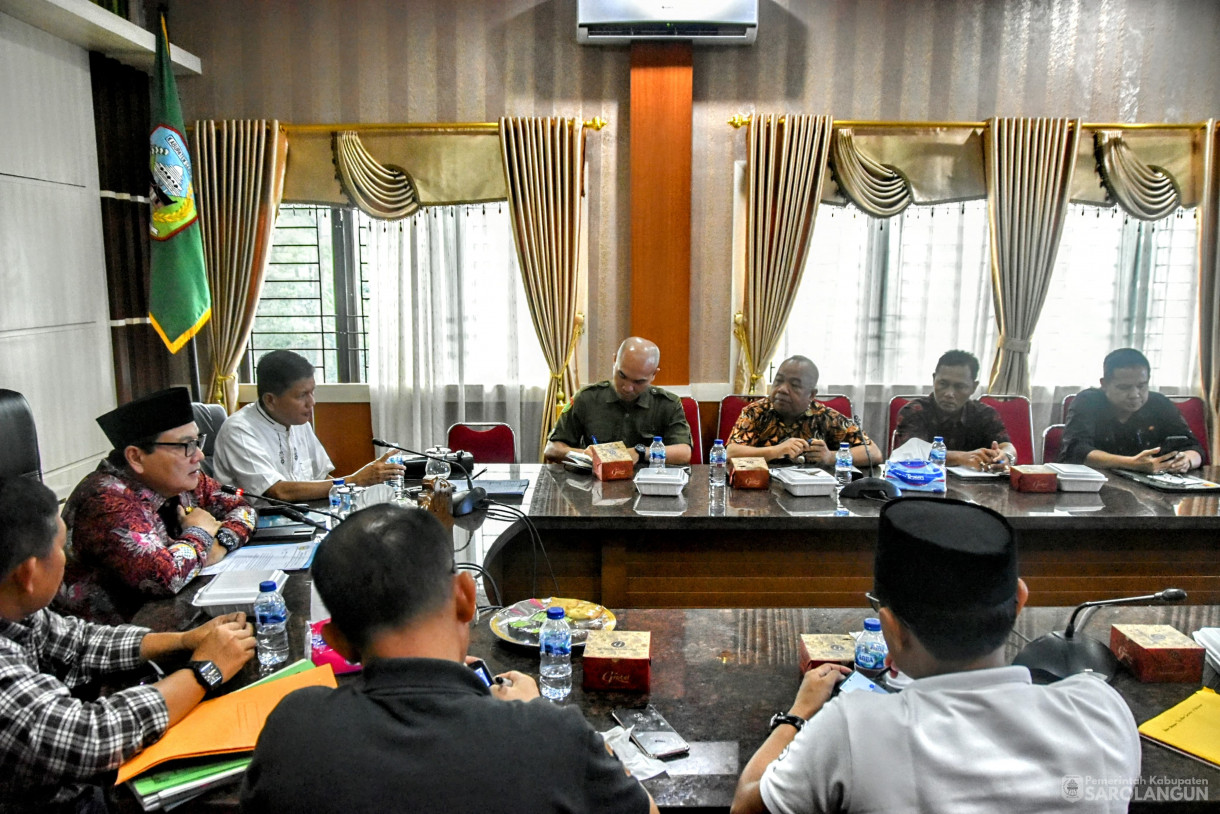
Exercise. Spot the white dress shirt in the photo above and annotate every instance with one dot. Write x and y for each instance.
(255, 452)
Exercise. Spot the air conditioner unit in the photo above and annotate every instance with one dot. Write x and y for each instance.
(703, 22)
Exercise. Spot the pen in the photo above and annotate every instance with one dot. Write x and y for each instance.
(594, 437)
(506, 682)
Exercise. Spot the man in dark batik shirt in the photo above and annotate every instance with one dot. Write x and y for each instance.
(974, 432)
(788, 423)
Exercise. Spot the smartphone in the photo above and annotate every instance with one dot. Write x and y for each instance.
(480, 669)
(651, 732)
(1174, 443)
(857, 682)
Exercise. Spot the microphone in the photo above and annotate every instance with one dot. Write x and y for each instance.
(870, 487)
(463, 502)
(1062, 653)
(290, 509)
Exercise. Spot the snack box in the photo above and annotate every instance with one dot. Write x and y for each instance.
(749, 473)
(806, 482)
(322, 653)
(826, 648)
(1033, 478)
(661, 482)
(1077, 477)
(618, 660)
(1156, 653)
(233, 591)
(612, 461)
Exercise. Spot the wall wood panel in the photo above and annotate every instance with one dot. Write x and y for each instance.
(428, 60)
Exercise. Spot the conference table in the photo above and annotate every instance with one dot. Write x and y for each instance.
(718, 674)
(605, 542)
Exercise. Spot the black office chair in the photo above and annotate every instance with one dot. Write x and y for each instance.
(18, 438)
(208, 418)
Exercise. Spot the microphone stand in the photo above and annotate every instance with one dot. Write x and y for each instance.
(1062, 653)
(858, 487)
(290, 509)
(463, 502)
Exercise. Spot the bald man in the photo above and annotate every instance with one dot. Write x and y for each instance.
(624, 408)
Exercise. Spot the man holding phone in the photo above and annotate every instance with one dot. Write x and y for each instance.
(1121, 425)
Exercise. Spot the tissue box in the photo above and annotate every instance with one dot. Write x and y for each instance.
(1157, 653)
(749, 473)
(1033, 478)
(826, 648)
(618, 660)
(612, 461)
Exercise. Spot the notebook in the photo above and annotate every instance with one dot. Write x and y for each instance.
(1191, 728)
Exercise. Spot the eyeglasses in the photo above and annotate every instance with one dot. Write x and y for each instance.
(874, 601)
(189, 448)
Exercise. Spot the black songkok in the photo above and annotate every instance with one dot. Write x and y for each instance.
(147, 416)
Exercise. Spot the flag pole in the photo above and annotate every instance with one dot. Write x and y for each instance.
(193, 358)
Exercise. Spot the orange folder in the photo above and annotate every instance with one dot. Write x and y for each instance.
(227, 724)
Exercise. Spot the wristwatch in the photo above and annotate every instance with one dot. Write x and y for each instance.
(784, 718)
(641, 451)
(207, 674)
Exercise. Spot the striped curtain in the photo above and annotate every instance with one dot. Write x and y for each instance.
(544, 161)
(240, 171)
(1209, 280)
(1029, 164)
(787, 159)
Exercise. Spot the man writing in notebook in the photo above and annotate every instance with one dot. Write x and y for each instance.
(420, 732)
(55, 748)
(974, 433)
(969, 733)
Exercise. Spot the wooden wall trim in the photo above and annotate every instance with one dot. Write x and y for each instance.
(661, 101)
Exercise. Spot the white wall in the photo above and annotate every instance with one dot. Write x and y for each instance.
(54, 333)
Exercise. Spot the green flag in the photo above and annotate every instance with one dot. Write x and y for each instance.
(178, 299)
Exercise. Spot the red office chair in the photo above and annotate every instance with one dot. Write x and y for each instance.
(839, 403)
(1067, 403)
(896, 405)
(1018, 420)
(488, 442)
(1052, 440)
(730, 408)
(1194, 410)
(691, 408)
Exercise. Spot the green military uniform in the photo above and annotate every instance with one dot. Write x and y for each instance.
(597, 412)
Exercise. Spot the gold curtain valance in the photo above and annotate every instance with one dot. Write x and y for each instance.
(1142, 190)
(380, 191)
(878, 189)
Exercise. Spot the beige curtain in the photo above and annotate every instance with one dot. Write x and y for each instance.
(380, 191)
(240, 170)
(1029, 165)
(1142, 190)
(786, 170)
(875, 188)
(544, 164)
(1209, 280)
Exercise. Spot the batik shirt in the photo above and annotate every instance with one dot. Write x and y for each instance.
(50, 741)
(125, 542)
(975, 426)
(759, 425)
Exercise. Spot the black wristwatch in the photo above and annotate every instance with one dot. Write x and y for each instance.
(207, 674)
(641, 451)
(784, 718)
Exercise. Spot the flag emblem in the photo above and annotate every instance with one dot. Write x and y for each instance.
(172, 192)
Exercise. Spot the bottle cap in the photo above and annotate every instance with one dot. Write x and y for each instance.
(656, 438)
(554, 612)
(872, 623)
(338, 481)
(719, 441)
(844, 445)
(936, 439)
(266, 586)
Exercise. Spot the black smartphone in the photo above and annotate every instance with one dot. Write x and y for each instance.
(1174, 443)
(651, 732)
(480, 669)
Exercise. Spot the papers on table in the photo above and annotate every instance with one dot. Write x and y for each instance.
(967, 473)
(1191, 728)
(287, 557)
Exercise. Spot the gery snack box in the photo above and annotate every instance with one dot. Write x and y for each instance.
(749, 473)
(612, 461)
(1033, 478)
(618, 660)
(826, 648)
(1157, 653)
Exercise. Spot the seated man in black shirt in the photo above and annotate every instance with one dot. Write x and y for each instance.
(420, 732)
(974, 433)
(1122, 425)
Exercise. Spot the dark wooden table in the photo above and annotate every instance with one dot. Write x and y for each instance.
(766, 548)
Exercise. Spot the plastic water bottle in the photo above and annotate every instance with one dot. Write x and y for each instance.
(656, 453)
(871, 650)
(938, 453)
(271, 625)
(347, 500)
(843, 465)
(396, 481)
(336, 501)
(555, 652)
(718, 460)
